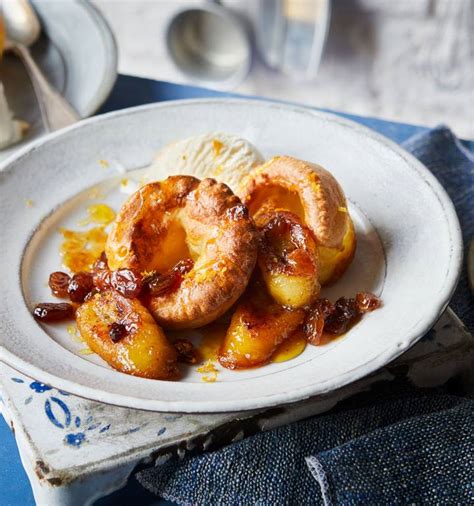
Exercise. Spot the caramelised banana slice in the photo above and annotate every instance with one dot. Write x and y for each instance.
(288, 259)
(125, 335)
(258, 326)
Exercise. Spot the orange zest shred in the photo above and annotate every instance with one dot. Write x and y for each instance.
(208, 371)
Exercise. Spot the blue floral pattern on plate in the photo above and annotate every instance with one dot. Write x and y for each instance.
(59, 414)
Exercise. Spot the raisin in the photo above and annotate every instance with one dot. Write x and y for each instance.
(131, 321)
(325, 306)
(344, 315)
(159, 284)
(80, 285)
(59, 283)
(101, 273)
(101, 279)
(313, 327)
(286, 245)
(91, 294)
(127, 282)
(186, 351)
(315, 320)
(367, 302)
(53, 312)
(117, 332)
(184, 266)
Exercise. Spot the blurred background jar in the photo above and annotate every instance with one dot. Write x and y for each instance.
(213, 43)
(291, 34)
(406, 60)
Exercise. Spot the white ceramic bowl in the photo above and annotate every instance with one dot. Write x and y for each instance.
(409, 248)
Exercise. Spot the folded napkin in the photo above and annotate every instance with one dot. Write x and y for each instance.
(396, 445)
(11, 130)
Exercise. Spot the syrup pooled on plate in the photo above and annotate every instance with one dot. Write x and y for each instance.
(79, 250)
(212, 337)
(99, 214)
(291, 348)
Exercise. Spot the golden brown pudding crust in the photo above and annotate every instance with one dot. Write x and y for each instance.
(311, 191)
(184, 217)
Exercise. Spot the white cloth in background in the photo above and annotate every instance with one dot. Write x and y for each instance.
(11, 130)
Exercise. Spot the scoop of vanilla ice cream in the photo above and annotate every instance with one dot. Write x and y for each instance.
(224, 157)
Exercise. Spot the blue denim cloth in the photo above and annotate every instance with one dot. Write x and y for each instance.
(422, 459)
(394, 446)
(421, 445)
(453, 164)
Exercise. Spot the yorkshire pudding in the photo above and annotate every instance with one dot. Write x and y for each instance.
(181, 218)
(312, 194)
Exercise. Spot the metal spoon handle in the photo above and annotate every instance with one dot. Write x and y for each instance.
(55, 110)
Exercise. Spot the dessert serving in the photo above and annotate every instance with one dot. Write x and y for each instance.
(234, 248)
(297, 329)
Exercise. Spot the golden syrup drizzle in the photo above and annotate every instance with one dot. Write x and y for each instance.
(79, 250)
(296, 344)
(212, 337)
(291, 347)
(327, 338)
(73, 331)
(86, 351)
(99, 214)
